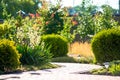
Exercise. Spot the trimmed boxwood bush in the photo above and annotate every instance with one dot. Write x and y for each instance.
(9, 56)
(106, 45)
(58, 44)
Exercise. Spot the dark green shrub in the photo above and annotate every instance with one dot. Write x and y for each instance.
(58, 44)
(106, 45)
(34, 56)
(9, 56)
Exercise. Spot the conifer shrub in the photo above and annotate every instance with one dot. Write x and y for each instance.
(106, 45)
(9, 56)
(58, 44)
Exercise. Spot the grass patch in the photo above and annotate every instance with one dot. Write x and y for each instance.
(38, 67)
(102, 71)
(112, 70)
(73, 59)
(64, 59)
(32, 68)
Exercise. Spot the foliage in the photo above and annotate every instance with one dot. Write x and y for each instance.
(25, 5)
(86, 25)
(3, 30)
(115, 67)
(23, 31)
(90, 24)
(101, 71)
(58, 44)
(52, 17)
(86, 21)
(104, 20)
(67, 31)
(105, 45)
(26, 33)
(38, 55)
(10, 27)
(9, 59)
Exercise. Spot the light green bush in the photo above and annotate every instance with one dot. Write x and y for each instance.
(58, 44)
(9, 56)
(3, 30)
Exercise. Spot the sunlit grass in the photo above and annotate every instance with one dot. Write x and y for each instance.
(38, 67)
(23, 68)
(80, 49)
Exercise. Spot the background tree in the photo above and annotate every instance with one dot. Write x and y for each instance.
(52, 17)
(13, 6)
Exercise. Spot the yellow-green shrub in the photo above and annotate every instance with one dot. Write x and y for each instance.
(106, 45)
(3, 30)
(58, 44)
(9, 56)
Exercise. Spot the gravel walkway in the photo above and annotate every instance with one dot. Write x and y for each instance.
(68, 71)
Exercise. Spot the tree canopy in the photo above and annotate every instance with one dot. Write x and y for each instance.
(12, 6)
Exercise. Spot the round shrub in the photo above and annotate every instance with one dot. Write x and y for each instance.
(58, 45)
(106, 45)
(9, 56)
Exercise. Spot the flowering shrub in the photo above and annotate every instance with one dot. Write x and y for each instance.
(28, 34)
(52, 17)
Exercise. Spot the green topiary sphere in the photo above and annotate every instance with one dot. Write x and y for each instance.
(58, 45)
(106, 45)
(9, 56)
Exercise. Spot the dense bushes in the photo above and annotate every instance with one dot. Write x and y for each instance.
(106, 45)
(9, 56)
(58, 44)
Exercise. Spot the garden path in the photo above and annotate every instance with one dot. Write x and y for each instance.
(68, 71)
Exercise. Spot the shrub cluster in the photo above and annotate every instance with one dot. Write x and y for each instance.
(9, 56)
(106, 45)
(58, 44)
